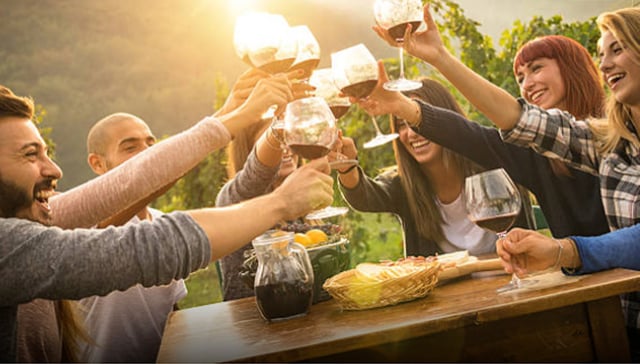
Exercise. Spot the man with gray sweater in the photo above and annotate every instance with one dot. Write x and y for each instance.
(42, 262)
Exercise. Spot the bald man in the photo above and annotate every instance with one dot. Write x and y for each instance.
(126, 325)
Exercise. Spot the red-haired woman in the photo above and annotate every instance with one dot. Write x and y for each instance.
(553, 72)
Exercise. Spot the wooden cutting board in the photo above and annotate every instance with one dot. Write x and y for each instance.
(472, 265)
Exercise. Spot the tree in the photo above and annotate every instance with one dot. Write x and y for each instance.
(200, 186)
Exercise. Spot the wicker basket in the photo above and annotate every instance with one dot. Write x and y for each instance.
(353, 292)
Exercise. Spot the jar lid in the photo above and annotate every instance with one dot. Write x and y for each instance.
(273, 236)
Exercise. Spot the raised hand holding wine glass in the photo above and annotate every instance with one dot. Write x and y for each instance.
(493, 203)
(395, 16)
(355, 72)
(310, 131)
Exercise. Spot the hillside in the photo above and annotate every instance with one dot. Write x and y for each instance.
(158, 59)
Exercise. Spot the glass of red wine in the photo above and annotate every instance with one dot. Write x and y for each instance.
(355, 73)
(322, 80)
(310, 131)
(395, 16)
(308, 51)
(493, 203)
(265, 41)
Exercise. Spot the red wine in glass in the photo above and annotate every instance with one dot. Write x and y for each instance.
(497, 224)
(395, 16)
(278, 66)
(397, 31)
(306, 66)
(309, 151)
(360, 90)
(493, 203)
(339, 110)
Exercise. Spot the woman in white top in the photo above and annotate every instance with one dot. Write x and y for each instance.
(426, 191)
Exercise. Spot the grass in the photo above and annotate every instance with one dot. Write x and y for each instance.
(385, 235)
(203, 288)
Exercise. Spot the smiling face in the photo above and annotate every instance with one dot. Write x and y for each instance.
(117, 138)
(541, 83)
(288, 164)
(620, 70)
(28, 176)
(424, 151)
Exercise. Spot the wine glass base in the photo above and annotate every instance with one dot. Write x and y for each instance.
(512, 286)
(402, 84)
(343, 163)
(270, 113)
(380, 140)
(329, 211)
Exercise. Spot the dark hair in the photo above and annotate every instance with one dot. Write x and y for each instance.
(15, 106)
(420, 194)
(585, 93)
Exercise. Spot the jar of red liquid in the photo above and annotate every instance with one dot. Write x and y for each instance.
(284, 279)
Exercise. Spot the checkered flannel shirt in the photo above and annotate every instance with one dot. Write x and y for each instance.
(557, 134)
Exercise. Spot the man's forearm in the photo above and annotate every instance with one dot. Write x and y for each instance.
(229, 228)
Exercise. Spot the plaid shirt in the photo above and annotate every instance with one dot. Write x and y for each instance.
(557, 134)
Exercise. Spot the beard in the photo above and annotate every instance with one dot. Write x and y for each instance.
(12, 199)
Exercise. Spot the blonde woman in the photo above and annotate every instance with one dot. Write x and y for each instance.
(607, 147)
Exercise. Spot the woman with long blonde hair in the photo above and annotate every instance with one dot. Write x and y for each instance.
(609, 147)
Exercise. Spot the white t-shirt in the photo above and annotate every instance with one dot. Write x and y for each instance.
(127, 325)
(462, 233)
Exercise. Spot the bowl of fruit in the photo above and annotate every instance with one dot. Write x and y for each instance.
(328, 249)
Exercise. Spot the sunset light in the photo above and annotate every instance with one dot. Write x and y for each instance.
(237, 7)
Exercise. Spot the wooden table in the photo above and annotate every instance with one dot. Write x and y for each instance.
(463, 321)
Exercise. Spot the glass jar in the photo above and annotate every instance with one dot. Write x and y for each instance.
(284, 278)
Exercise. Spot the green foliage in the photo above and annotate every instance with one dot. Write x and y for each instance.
(511, 40)
(201, 185)
(198, 188)
(203, 288)
(45, 131)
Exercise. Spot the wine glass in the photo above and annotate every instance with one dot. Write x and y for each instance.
(355, 73)
(394, 16)
(308, 55)
(264, 41)
(493, 203)
(323, 81)
(310, 131)
(380, 138)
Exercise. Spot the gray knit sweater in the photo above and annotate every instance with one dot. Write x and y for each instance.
(47, 262)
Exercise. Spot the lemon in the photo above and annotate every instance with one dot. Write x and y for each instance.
(317, 236)
(303, 239)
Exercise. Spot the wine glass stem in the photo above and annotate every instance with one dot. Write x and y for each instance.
(375, 125)
(401, 57)
(515, 280)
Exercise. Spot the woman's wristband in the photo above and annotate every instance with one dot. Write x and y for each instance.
(348, 169)
(416, 117)
(271, 144)
(556, 265)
